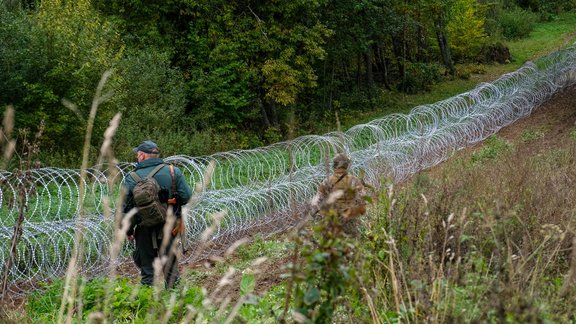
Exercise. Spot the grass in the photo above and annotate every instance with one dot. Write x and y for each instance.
(493, 147)
(546, 37)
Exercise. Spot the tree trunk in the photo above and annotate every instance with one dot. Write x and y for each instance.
(369, 72)
(273, 115)
(358, 70)
(382, 66)
(262, 105)
(398, 52)
(423, 54)
(331, 84)
(444, 47)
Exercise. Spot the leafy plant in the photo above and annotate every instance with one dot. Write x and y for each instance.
(316, 288)
(466, 30)
(493, 147)
(419, 77)
(517, 23)
(529, 135)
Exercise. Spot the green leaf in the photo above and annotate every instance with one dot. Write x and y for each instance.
(247, 284)
(312, 296)
(320, 257)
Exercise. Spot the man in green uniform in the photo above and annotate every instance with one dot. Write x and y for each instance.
(342, 193)
(149, 239)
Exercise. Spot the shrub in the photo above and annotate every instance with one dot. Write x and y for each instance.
(517, 23)
(493, 147)
(465, 71)
(573, 134)
(57, 52)
(420, 77)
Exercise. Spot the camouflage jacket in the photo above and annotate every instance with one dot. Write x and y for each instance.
(349, 191)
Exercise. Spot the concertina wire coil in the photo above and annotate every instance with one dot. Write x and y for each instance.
(263, 190)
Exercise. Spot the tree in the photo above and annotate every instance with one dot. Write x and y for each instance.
(466, 29)
(56, 52)
(440, 13)
(266, 52)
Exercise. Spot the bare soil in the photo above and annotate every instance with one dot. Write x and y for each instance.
(556, 119)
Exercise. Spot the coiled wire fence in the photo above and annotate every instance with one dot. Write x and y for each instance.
(263, 190)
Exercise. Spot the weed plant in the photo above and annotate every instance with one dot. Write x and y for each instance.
(488, 242)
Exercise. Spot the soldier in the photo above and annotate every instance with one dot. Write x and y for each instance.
(342, 193)
(174, 191)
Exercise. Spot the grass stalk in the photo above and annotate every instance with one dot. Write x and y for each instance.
(71, 282)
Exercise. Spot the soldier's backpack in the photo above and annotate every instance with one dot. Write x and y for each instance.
(147, 198)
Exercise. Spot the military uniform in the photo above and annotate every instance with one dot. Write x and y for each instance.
(149, 239)
(350, 204)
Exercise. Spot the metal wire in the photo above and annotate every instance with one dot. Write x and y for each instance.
(262, 190)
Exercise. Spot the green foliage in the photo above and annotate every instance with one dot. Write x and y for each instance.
(151, 96)
(327, 275)
(186, 73)
(465, 71)
(265, 309)
(420, 77)
(247, 284)
(42, 304)
(260, 247)
(466, 30)
(272, 135)
(493, 147)
(530, 135)
(120, 301)
(49, 58)
(222, 94)
(548, 9)
(57, 52)
(573, 134)
(255, 59)
(517, 23)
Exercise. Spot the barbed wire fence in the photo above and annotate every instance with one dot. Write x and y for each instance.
(263, 190)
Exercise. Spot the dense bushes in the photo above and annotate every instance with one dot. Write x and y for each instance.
(57, 53)
(517, 23)
(152, 98)
(420, 77)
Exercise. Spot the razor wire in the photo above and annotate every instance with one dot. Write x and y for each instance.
(263, 190)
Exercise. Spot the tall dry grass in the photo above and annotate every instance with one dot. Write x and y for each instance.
(490, 241)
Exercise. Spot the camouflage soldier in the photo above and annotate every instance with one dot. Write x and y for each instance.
(342, 193)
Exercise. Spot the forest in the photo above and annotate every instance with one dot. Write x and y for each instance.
(206, 76)
(485, 233)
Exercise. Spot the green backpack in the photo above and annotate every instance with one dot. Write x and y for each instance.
(146, 197)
